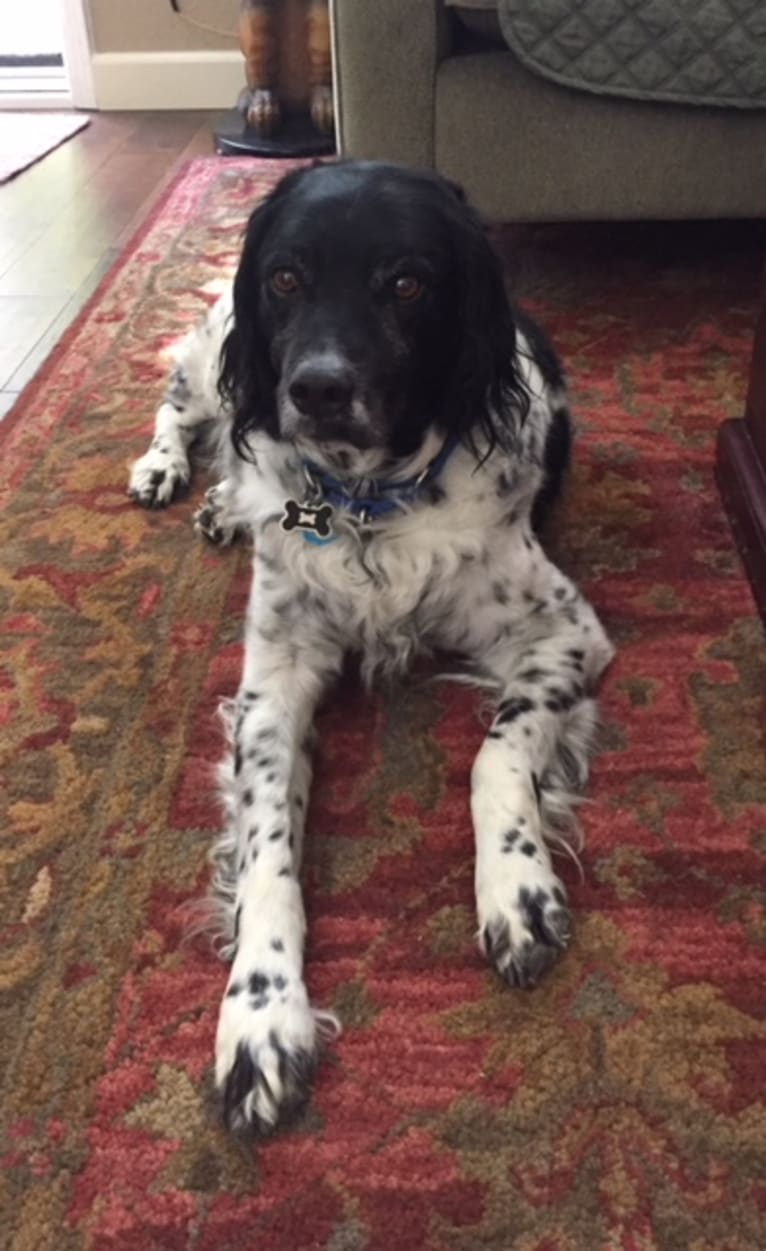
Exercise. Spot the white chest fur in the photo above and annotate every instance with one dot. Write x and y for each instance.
(441, 574)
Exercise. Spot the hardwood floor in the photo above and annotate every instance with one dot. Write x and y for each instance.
(65, 220)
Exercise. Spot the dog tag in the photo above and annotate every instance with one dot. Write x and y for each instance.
(315, 521)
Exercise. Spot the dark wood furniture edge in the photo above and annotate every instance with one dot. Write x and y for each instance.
(741, 478)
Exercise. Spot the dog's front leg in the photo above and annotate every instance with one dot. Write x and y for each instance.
(267, 1031)
(191, 399)
(524, 783)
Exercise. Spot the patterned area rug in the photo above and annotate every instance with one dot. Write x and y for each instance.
(616, 1108)
(27, 137)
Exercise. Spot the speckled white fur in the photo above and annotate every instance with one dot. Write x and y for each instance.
(463, 573)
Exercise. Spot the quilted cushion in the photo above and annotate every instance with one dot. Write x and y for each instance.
(684, 51)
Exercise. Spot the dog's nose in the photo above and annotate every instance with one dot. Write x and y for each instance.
(322, 387)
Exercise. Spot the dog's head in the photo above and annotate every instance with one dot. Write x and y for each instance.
(368, 307)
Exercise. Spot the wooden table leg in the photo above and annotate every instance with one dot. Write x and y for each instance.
(320, 65)
(741, 468)
(259, 101)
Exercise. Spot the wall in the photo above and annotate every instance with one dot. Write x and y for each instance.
(147, 57)
(151, 25)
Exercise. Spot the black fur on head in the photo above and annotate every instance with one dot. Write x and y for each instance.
(368, 307)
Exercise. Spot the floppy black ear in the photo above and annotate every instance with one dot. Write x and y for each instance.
(247, 380)
(486, 397)
(457, 190)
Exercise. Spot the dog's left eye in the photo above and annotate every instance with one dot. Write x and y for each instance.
(284, 281)
(408, 288)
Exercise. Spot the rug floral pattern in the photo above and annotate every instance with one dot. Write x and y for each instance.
(617, 1108)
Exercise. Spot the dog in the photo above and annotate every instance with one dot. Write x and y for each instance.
(390, 431)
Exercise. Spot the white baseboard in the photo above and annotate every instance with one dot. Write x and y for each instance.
(167, 80)
(29, 100)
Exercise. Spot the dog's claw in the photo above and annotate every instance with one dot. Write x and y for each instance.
(207, 522)
(524, 941)
(156, 486)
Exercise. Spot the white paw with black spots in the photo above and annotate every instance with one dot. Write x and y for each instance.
(157, 476)
(266, 1051)
(211, 520)
(524, 918)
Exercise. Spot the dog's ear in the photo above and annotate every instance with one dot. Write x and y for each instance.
(485, 390)
(457, 190)
(247, 381)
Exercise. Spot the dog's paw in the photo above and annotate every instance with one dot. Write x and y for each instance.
(266, 1051)
(157, 476)
(212, 521)
(524, 920)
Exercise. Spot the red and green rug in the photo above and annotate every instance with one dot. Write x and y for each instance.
(617, 1108)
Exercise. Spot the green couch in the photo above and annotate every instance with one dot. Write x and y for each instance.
(416, 84)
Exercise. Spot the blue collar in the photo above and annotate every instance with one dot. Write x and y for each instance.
(387, 495)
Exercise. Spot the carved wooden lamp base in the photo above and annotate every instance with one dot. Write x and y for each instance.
(269, 32)
(296, 136)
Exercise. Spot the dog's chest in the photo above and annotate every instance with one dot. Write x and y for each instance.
(432, 579)
(383, 597)
(437, 574)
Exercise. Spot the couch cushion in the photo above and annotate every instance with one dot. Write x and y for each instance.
(524, 148)
(679, 51)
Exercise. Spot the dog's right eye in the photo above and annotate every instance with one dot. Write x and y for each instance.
(284, 281)
(408, 288)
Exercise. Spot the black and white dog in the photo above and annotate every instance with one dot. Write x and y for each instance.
(391, 431)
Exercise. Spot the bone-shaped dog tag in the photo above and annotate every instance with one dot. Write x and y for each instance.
(313, 520)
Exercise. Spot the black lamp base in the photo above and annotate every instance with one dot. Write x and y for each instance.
(296, 137)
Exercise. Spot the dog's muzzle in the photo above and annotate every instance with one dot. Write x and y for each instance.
(323, 402)
(322, 388)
